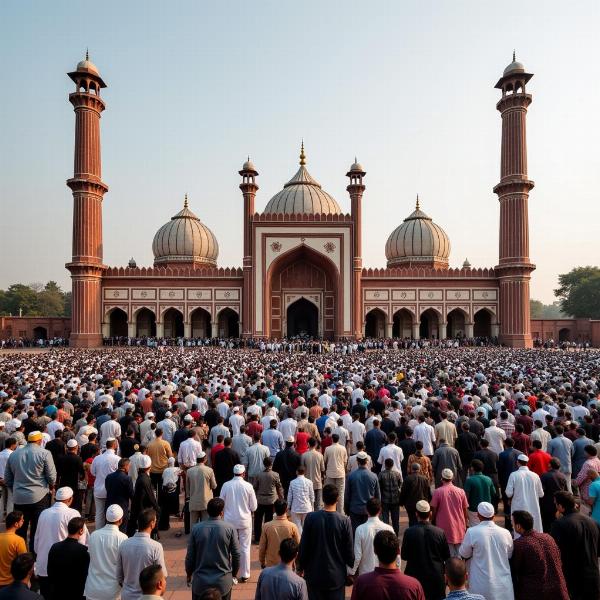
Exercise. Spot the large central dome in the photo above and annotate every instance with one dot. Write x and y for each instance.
(302, 195)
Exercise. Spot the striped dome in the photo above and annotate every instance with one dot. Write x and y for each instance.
(418, 240)
(185, 239)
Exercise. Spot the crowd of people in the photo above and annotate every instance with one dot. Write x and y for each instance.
(492, 455)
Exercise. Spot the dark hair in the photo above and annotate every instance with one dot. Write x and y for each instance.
(330, 494)
(280, 507)
(373, 506)
(591, 450)
(145, 518)
(555, 463)
(559, 429)
(149, 578)
(477, 465)
(538, 444)
(267, 461)
(566, 500)
(288, 550)
(484, 443)
(215, 507)
(509, 442)
(76, 524)
(21, 566)
(123, 463)
(312, 442)
(11, 441)
(12, 518)
(386, 546)
(456, 572)
(389, 463)
(523, 518)
(335, 437)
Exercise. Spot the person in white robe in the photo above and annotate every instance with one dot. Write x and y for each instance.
(489, 547)
(524, 488)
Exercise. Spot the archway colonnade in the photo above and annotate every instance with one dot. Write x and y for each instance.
(431, 324)
(171, 323)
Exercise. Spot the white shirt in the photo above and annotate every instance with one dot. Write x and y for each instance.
(542, 435)
(188, 451)
(490, 548)
(53, 427)
(395, 453)
(101, 583)
(52, 528)
(301, 495)
(236, 421)
(3, 460)
(168, 428)
(365, 560)
(525, 489)
(288, 427)
(495, 436)
(426, 434)
(357, 431)
(240, 502)
(103, 465)
(109, 429)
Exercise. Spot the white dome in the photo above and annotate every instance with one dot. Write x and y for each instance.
(185, 239)
(418, 240)
(514, 67)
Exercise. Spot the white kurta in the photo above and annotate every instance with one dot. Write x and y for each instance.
(53, 527)
(524, 487)
(489, 547)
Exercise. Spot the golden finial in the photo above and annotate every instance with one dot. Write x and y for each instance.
(302, 155)
(185, 202)
(418, 206)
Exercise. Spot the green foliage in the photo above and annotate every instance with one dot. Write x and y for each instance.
(35, 300)
(539, 310)
(579, 292)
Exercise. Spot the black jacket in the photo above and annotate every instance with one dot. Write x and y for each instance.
(225, 460)
(68, 563)
(119, 490)
(286, 463)
(143, 496)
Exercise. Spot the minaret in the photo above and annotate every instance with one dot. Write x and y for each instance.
(356, 189)
(514, 267)
(249, 189)
(88, 190)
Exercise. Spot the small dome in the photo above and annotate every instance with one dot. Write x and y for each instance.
(356, 167)
(418, 241)
(87, 65)
(514, 67)
(185, 239)
(466, 264)
(248, 166)
(302, 195)
(132, 264)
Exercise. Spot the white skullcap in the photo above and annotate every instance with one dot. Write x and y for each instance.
(145, 462)
(188, 418)
(72, 443)
(149, 415)
(236, 409)
(63, 493)
(447, 474)
(523, 458)
(201, 454)
(290, 439)
(168, 414)
(111, 439)
(362, 455)
(423, 506)
(171, 461)
(239, 469)
(485, 509)
(84, 439)
(114, 513)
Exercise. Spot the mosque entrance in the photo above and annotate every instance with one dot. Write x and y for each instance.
(118, 323)
(429, 325)
(173, 323)
(302, 319)
(229, 324)
(40, 333)
(145, 323)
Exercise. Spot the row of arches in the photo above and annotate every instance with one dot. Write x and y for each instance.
(404, 324)
(144, 324)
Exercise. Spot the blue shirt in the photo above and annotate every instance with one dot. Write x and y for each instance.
(594, 492)
(320, 423)
(273, 440)
(362, 484)
(280, 583)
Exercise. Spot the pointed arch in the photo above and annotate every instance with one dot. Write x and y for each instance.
(402, 326)
(375, 323)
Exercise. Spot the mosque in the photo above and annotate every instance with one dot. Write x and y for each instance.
(302, 271)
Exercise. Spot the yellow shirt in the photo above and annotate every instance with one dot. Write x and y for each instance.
(11, 545)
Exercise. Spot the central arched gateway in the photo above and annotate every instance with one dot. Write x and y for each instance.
(295, 280)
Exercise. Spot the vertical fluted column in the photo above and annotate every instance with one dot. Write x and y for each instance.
(514, 265)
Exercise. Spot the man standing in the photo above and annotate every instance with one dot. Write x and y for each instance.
(507, 464)
(562, 448)
(326, 549)
(456, 580)
(199, 485)
(553, 481)
(280, 582)
(416, 487)
(68, 563)
(268, 489)
(102, 466)
(478, 488)
(425, 550)
(144, 495)
(445, 457)
(578, 539)
(30, 475)
(524, 488)
(6, 499)
(336, 458)
(535, 563)
(489, 547)
(136, 553)
(390, 484)
(22, 572)
(11, 545)
(240, 501)
(314, 469)
(253, 460)
(583, 479)
(539, 461)
(70, 472)
(159, 451)
(273, 533)
(213, 554)
(224, 462)
(300, 498)
(286, 462)
(362, 485)
(104, 544)
(119, 490)
(450, 511)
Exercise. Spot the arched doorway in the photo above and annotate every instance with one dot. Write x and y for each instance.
(40, 333)
(200, 324)
(229, 324)
(173, 323)
(564, 335)
(375, 324)
(118, 323)
(302, 319)
(456, 323)
(145, 323)
(482, 326)
(403, 324)
(429, 325)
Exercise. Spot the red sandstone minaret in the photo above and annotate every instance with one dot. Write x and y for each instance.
(514, 266)
(249, 189)
(88, 190)
(356, 189)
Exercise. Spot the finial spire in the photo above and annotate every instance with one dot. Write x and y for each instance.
(514, 56)
(302, 155)
(185, 202)
(87, 54)
(355, 159)
(418, 206)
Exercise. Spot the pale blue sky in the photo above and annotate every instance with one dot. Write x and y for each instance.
(193, 87)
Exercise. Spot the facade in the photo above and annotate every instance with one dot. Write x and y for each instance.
(34, 328)
(302, 270)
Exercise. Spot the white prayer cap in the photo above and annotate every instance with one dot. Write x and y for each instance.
(239, 469)
(290, 439)
(201, 454)
(146, 461)
(423, 506)
(168, 414)
(84, 439)
(493, 423)
(236, 409)
(72, 443)
(485, 509)
(150, 415)
(114, 513)
(111, 439)
(171, 461)
(188, 418)
(447, 474)
(2, 423)
(523, 458)
(362, 455)
(63, 493)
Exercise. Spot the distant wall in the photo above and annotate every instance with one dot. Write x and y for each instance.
(566, 330)
(34, 327)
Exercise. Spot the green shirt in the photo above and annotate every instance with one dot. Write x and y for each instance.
(479, 488)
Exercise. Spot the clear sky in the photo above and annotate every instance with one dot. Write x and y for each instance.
(194, 87)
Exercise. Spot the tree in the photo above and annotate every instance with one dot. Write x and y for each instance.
(579, 292)
(35, 299)
(51, 300)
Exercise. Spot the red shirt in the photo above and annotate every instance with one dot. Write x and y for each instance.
(254, 427)
(325, 443)
(521, 442)
(383, 584)
(302, 442)
(214, 451)
(539, 462)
